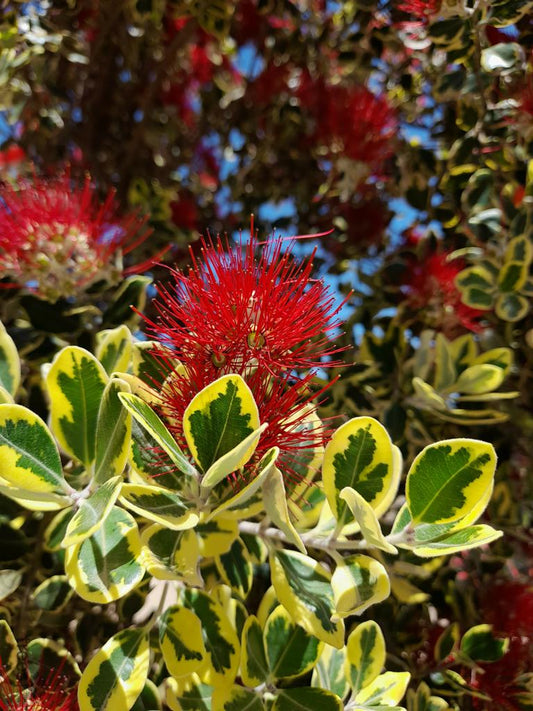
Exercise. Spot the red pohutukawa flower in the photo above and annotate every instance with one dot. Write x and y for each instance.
(57, 239)
(258, 314)
(431, 287)
(423, 9)
(49, 693)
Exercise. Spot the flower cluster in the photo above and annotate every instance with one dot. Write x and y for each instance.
(430, 286)
(48, 693)
(259, 316)
(57, 239)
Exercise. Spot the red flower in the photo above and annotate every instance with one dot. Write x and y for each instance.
(351, 121)
(13, 154)
(52, 692)
(260, 316)
(423, 9)
(431, 287)
(56, 239)
(508, 607)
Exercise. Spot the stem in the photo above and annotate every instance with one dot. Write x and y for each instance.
(324, 544)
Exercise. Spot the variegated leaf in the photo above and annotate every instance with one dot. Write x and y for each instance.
(358, 582)
(92, 512)
(180, 638)
(9, 363)
(359, 455)
(254, 666)
(449, 479)
(275, 501)
(76, 383)
(290, 650)
(329, 672)
(218, 419)
(365, 654)
(219, 636)
(171, 555)
(29, 459)
(365, 516)
(303, 587)
(114, 349)
(113, 433)
(236, 569)
(144, 414)
(116, 674)
(105, 566)
(387, 689)
(158, 505)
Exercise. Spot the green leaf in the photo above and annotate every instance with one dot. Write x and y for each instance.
(445, 372)
(52, 594)
(461, 540)
(216, 536)
(358, 582)
(236, 698)
(447, 643)
(113, 433)
(92, 512)
(56, 529)
(132, 292)
(180, 637)
(29, 459)
(387, 689)
(480, 645)
(42, 653)
(290, 650)
(76, 383)
(329, 671)
(232, 460)
(275, 501)
(426, 397)
(306, 699)
(114, 349)
(9, 650)
(254, 666)
(218, 419)
(507, 12)
(188, 694)
(236, 569)
(219, 636)
(477, 287)
(365, 516)
(9, 362)
(501, 58)
(478, 379)
(365, 654)
(447, 480)
(237, 500)
(171, 555)
(9, 582)
(105, 566)
(512, 307)
(144, 414)
(159, 505)
(359, 455)
(303, 587)
(151, 462)
(115, 676)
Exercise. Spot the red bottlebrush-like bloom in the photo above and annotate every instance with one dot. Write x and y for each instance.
(260, 316)
(422, 9)
(351, 121)
(48, 693)
(508, 607)
(431, 286)
(57, 239)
